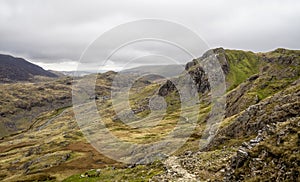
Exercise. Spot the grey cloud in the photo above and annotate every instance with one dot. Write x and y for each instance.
(50, 31)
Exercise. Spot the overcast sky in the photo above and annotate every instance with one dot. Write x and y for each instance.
(54, 33)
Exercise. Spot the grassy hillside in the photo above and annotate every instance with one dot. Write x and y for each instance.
(242, 65)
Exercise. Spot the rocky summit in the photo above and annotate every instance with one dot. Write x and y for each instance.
(258, 138)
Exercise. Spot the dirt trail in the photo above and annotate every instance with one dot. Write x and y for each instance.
(51, 120)
(173, 166)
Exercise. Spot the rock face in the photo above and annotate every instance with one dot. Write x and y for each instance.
(17, 69)
(197, 73)
(200, 79)
(166, 88)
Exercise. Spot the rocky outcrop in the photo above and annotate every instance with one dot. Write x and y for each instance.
(200, 79)
(282, 56)
(167, 88)
(272, 155)
(197, 73)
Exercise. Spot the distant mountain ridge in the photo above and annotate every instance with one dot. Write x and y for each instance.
(163, 70)
(14, 69)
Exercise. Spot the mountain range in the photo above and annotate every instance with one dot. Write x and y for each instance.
(258, 138)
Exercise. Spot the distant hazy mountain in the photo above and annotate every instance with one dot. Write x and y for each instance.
(18, 69)
(71, 73)
(57, 73)
(163, 70)
(76, 73)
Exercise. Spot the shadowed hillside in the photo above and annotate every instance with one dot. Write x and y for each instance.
(14, 69)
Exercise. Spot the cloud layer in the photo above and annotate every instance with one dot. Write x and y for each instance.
(54, 33)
